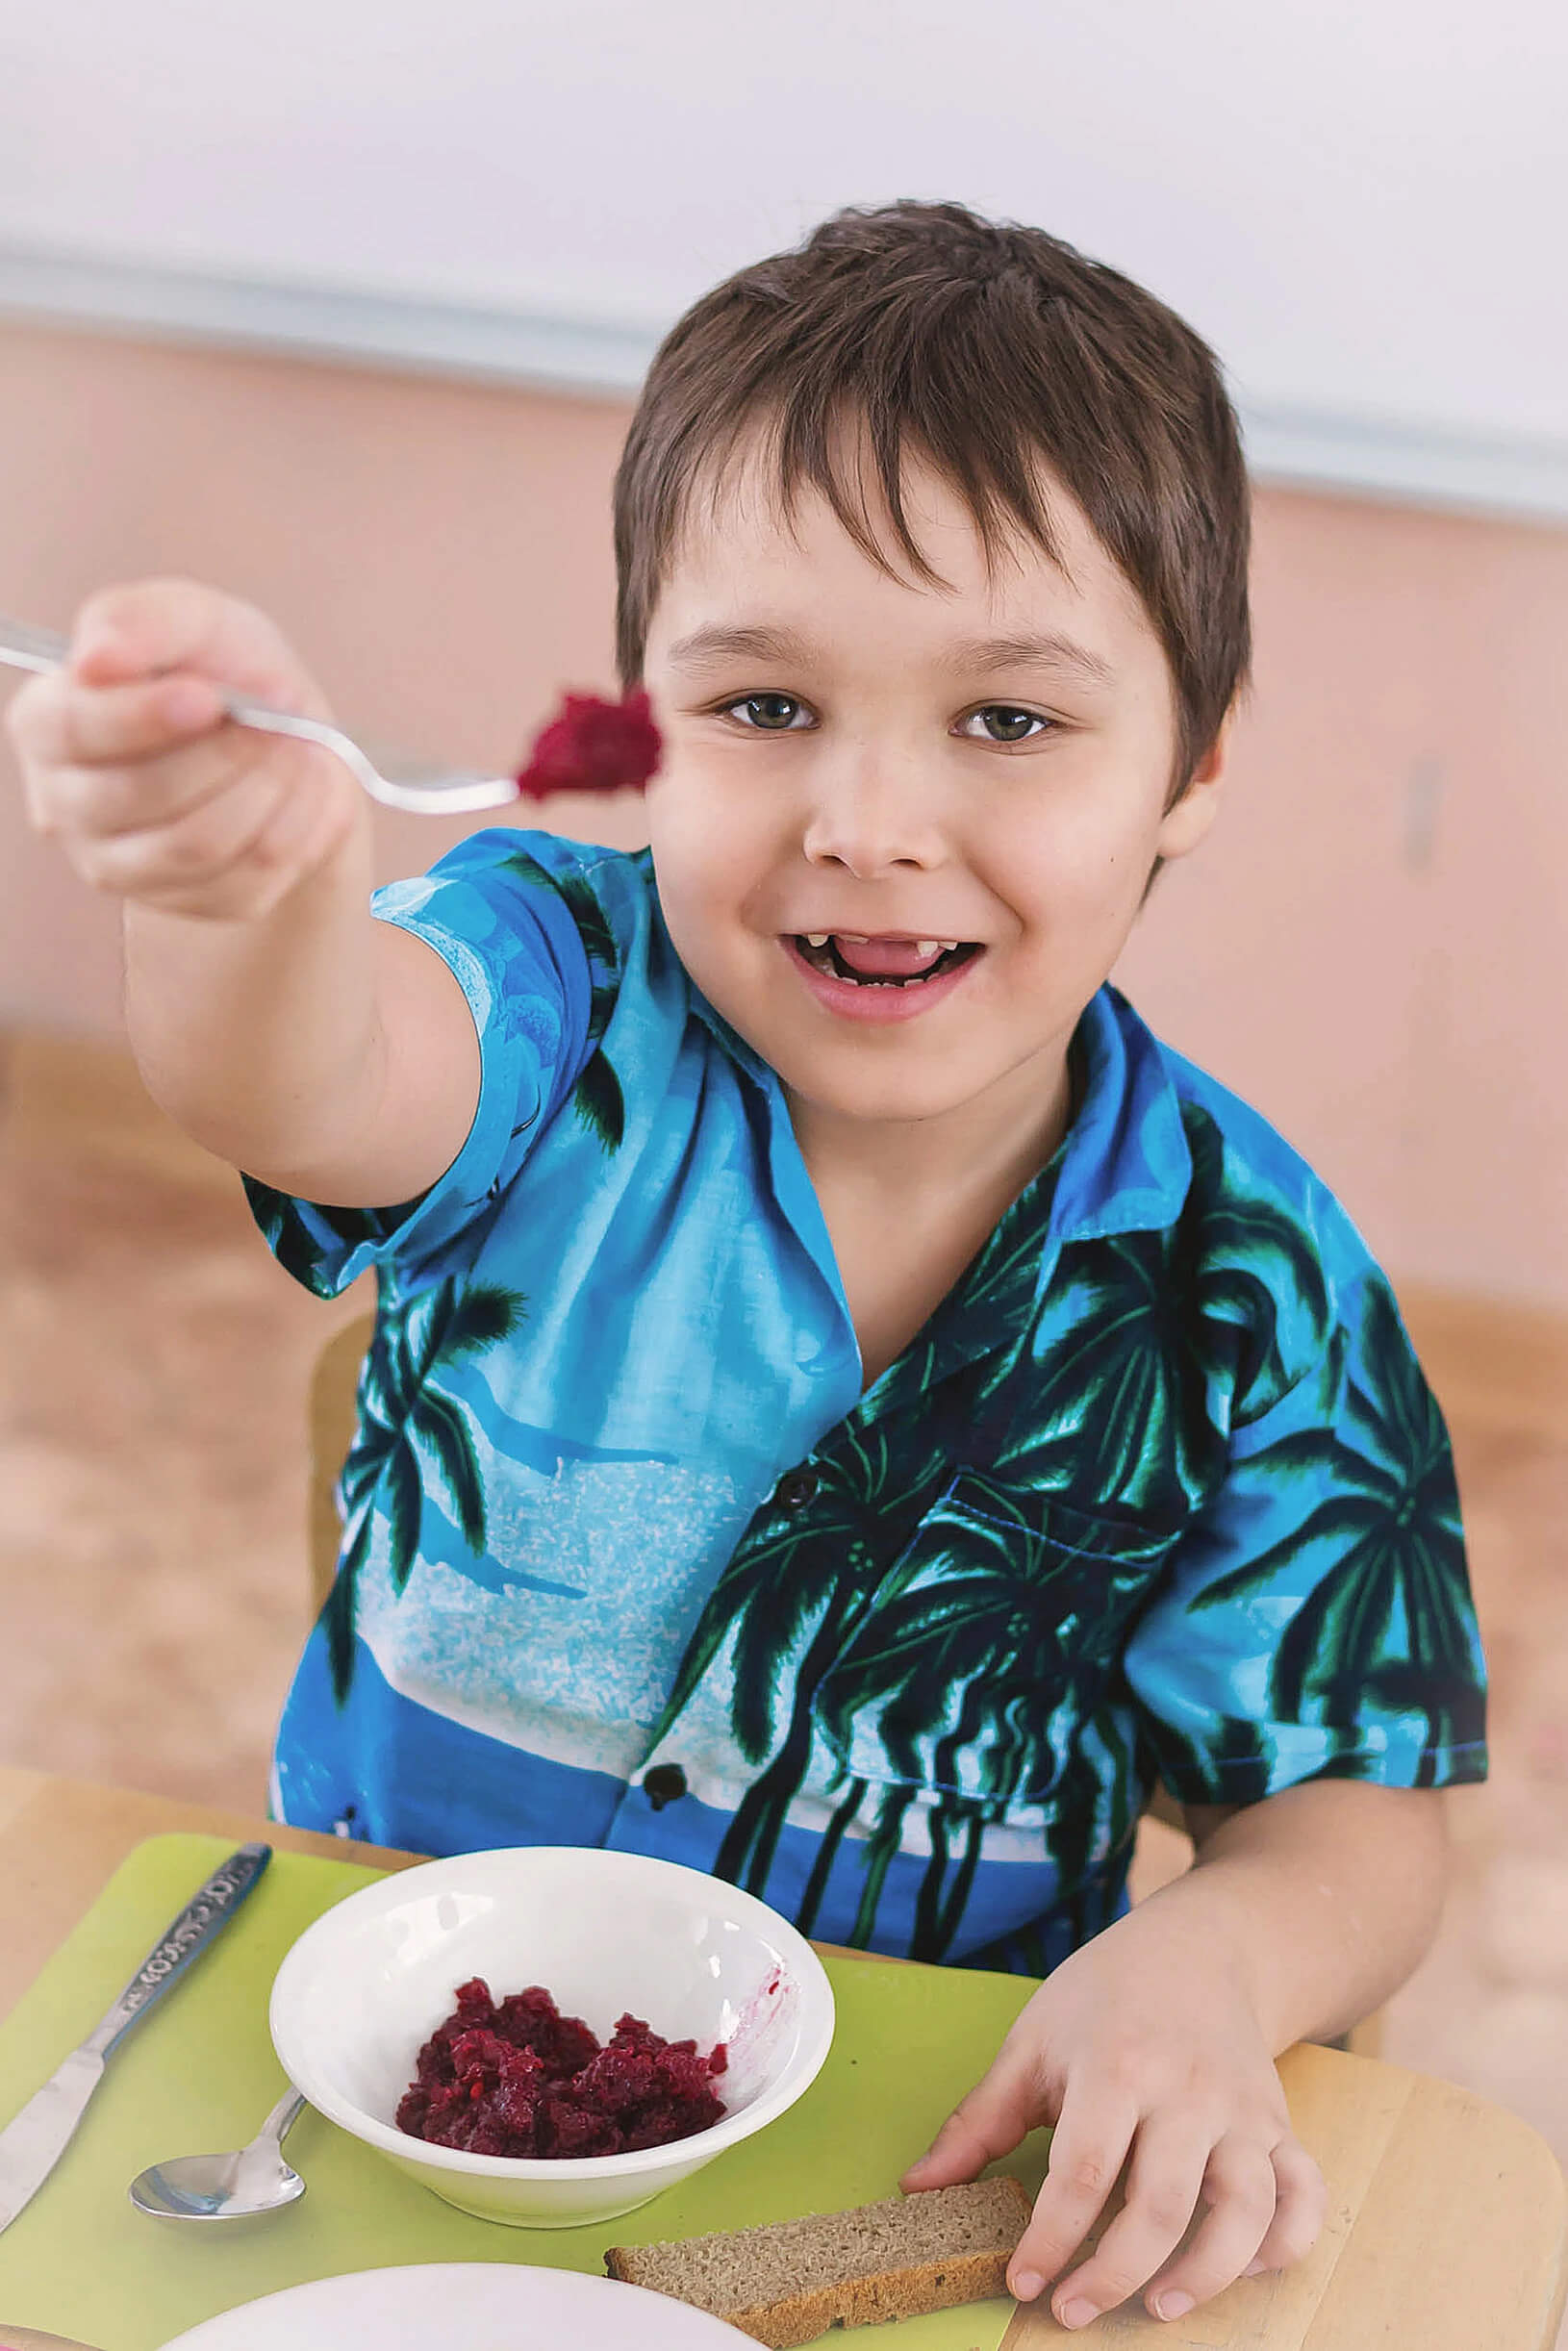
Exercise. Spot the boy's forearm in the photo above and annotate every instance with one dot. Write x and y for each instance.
(1326, 1896)
(259, 1037)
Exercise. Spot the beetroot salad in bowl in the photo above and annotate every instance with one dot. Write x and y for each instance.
(556, 1998)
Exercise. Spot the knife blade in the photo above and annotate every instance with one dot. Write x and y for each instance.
(33, 2142)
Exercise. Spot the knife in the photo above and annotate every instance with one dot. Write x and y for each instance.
(30, 2145)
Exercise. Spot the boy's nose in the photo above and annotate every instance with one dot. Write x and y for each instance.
(869, 815)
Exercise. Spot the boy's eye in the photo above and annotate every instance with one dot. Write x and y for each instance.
(778, 714)
(771, 714)
(1004, 725)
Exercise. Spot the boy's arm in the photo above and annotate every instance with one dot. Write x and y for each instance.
(1329, 1893)
(331, 1055)
(279, 1023)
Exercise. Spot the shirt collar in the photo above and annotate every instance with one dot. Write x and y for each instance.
(1124, 1166)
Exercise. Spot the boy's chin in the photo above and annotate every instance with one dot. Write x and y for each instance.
(878, 1098)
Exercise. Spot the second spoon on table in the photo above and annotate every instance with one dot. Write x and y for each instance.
(237, 2187)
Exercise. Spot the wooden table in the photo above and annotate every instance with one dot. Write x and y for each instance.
(1447, 2216)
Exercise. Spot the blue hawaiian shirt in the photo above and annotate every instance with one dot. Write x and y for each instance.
(1157, 1492)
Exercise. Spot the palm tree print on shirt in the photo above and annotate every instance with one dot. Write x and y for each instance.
(294, 1239)
(957, 1667)
(987, 1646)
(787, 1601)
(1386, 1616)
(410, 1436)
(965, 1669)
(1143, 1323)
(596, 1097)
(912, 1645)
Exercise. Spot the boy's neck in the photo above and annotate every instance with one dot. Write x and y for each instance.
(979, 1156)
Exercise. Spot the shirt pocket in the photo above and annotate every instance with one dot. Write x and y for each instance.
(987, 1644)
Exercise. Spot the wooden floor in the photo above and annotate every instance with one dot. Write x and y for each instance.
(153, 1369)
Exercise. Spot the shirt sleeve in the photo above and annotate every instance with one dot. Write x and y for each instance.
(1316, 1621)
(506, 925)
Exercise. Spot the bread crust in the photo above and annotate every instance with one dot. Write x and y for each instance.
(863, 2302)
(907, 2291)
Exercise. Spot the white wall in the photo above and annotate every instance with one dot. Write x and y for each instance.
(1361, 202)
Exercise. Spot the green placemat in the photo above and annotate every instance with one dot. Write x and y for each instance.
(199, 2074)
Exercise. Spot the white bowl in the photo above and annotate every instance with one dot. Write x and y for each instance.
(364, 1989)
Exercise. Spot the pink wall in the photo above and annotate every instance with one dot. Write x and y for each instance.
(1373, 947)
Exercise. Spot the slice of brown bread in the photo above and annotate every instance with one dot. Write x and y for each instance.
(789, 2282)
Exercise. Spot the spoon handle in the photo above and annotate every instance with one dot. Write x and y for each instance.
(278, 2124)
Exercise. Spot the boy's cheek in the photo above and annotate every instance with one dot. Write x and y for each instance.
(701, 909)
(711, 857)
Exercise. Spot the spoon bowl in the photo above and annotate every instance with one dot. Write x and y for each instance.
(239, 2185)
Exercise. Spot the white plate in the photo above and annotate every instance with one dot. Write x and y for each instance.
(483, 2306)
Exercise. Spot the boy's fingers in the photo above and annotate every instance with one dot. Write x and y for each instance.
(1088, 2149)
(151, 626)
(269, 838)
(145, 626)
(959, 2151)
(1239, 2189)
(62, 725)
(1165, 2179)
(94, 807)
(188, 862)
(1001, 2109)
(1300, 2205)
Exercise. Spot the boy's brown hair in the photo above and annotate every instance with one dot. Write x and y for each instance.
(986, 350)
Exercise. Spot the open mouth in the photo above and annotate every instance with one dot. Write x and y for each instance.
(882, 963)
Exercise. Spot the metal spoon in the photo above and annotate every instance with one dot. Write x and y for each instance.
(427, 793)
(254, 2179)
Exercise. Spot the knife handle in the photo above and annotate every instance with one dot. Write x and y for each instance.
(207, 1911)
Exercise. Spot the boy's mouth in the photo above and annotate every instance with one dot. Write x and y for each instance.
(884, 962)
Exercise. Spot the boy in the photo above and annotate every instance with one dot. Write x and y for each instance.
(848, 1409)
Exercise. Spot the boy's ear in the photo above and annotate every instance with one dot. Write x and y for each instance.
(1187, 820)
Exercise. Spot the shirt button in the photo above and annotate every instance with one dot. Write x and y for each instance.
(662, 1784)
(795, 1488)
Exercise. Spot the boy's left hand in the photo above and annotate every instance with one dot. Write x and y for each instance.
(1145, 2044)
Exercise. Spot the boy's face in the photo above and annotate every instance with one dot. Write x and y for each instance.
(859, 756)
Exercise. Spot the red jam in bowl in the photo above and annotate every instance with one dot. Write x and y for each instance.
(521, 2078)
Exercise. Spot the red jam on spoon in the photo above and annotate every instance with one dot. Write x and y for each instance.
(593, 746)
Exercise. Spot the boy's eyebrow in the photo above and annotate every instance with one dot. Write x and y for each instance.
(1048, 650)
(1051, 650)
(718, 643)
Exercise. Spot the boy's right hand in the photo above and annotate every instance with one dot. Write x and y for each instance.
(155, 796)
